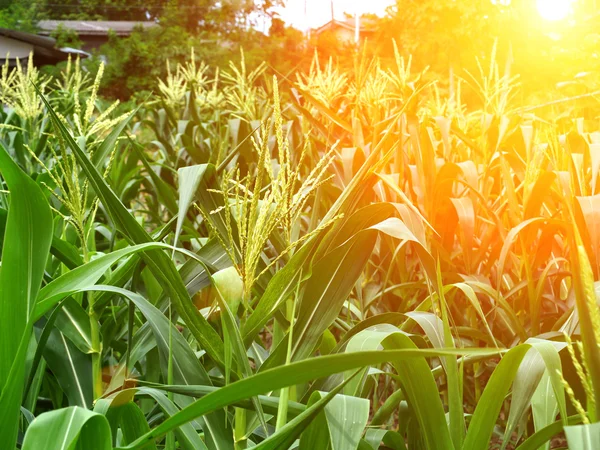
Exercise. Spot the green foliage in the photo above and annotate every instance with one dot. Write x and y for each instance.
(141, 59)
(19, 15)
(66, 38)
(136, 62)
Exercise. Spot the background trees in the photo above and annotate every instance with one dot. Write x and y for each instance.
(448, 37)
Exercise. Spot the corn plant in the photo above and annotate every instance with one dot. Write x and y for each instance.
(353, 259)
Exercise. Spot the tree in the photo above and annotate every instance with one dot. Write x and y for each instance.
(441, 33)
(19, 15)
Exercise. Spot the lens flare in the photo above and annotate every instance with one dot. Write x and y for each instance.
(554, 9)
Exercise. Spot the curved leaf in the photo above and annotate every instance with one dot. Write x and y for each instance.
(72, 427)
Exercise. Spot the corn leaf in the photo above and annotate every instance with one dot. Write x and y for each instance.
(25, 250)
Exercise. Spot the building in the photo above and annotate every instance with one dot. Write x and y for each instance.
(92, 33)
(17, 45)
(345, 30)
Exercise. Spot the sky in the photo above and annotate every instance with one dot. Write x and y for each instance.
(319, 11)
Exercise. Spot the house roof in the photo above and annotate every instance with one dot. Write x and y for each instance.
(366, 25)
(43, 47)
(33, 39)
(93, 27)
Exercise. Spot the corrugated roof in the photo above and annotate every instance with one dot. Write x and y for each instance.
(93, 27)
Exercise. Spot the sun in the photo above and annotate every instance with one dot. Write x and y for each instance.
(554, 9)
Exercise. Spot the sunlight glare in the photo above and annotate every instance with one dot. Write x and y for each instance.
(554, 9)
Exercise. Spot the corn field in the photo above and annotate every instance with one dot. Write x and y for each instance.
(338, 260)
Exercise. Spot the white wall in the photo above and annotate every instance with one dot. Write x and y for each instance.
(17, 49)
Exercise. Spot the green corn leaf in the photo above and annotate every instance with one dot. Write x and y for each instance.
(418, 383)
(487, 410)
(72, 428)
(164, 190)
(186, 367)
(542, 357)
(71, 367)
(27, 240)
(346, 419)
(133, 424)
(187, 436)
(332, 280)
(189, 180)
(375, 437)
(279, 289)
(583, 437)
(292, 374)
(73, 321)
(269, 404)
(326, 111)
(228, 282)
(84, 276)
(101, 154)
(316, 434)
(543, 436)
(287, 434)
(544, 406)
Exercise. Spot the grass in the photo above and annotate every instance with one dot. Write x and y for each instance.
(346, 260)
